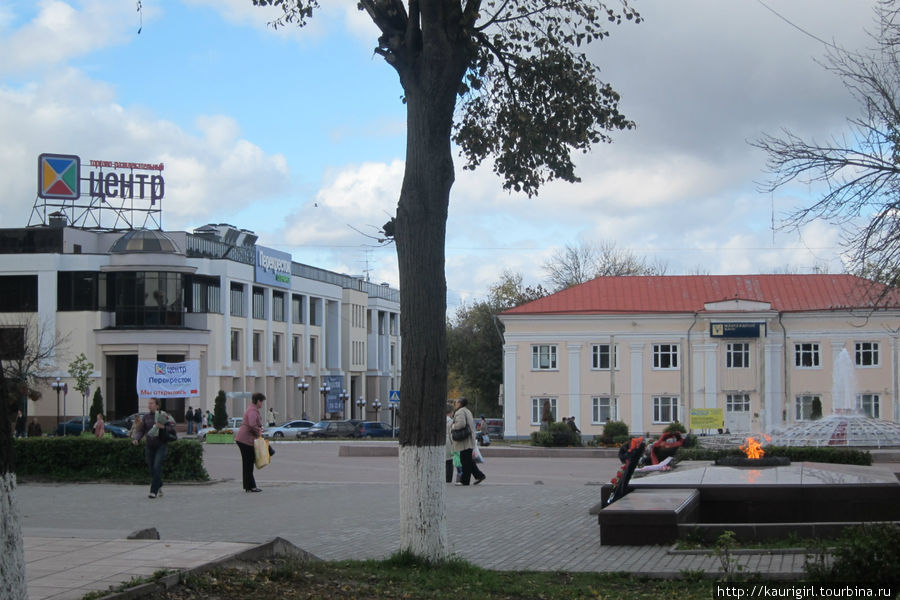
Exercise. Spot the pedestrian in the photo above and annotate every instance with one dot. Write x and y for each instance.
(572, 425)
(34, 428)
(157, 427)
(99, 426)
(20, 425)
(198, 417)
(251, 428)
(483, 430)
(463, 421)
(209, 419)
(448, 446)
(270, 417)
(189, 419)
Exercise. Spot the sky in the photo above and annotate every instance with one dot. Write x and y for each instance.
(299, 134)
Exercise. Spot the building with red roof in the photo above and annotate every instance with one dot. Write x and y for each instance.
(744, 352)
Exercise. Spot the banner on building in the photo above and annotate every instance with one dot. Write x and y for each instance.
(334, 403)
(706, 418)
(156, 379)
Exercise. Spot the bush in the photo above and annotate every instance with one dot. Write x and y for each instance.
(614, 430)
(557, 434)
(869, 552)
(674, 426)
(85, 458)
(220, 416)
(96, 406)
(844, 456)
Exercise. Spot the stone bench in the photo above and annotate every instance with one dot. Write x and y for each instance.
(645, 517)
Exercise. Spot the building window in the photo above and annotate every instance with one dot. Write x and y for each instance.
(276, 347)
(204, 295)
(278, 306)
(665, 409)
(393, 355)
(737, 403)
(313, 354)
(151, 299)
(297, 309)
(804, 406)
(537, 409)
(20, 293)
(665, 356)
(867, 354)
(235, 344)
(77, 290)
(737, 355)
(869, 404)
(603, 409)
(259, 303)
(12, 343)
(314, 311)
(295, 349)
(543, 357)
(600, 357)
(394, 328)
(806, 356)
(257, 346)
(237, 300)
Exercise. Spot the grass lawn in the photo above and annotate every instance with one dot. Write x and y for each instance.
(404, 579)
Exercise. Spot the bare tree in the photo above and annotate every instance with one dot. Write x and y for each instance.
(574, 265)
(860, 170)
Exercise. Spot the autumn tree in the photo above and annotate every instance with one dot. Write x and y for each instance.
(573, 265)
(859, 171)
(475, 340)
(507, 80)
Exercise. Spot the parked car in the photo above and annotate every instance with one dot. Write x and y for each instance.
(290, 429)
(234, 423)
(127, 421)
(329, 429)
(78, 425)
(373, 429)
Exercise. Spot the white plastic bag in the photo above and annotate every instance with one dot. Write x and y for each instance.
(476, 454)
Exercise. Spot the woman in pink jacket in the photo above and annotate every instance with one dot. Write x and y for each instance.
(251, 428)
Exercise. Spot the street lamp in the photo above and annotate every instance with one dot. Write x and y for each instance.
(361, 403)
(303, 386)
(56, 385)
(376, 406)
(344, 396)
(324, 389)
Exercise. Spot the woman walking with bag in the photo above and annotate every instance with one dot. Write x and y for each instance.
(462, 434)
(158, 428)
(251, 428)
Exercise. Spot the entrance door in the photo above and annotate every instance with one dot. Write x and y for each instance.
(123, 371)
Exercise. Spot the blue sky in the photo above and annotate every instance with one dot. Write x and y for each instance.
(299, 134)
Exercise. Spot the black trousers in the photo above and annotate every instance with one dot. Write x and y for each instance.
(248, 459)
(469, 468)
(450, 470)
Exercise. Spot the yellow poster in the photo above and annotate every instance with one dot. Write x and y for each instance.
(706, 418)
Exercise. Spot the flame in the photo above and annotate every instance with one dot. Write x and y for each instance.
(752, 448)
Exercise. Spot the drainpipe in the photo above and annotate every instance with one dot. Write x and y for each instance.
(689, 364)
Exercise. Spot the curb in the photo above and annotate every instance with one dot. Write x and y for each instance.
(360, 450)
(273, 548)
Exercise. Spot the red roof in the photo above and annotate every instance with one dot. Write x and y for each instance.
(689, 294)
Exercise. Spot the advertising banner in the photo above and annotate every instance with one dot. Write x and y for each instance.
(156, 379)
(333, 401)
(706, 418)
(273, 267)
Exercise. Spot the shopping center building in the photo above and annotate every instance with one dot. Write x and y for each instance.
(315, 342)
(765, 350)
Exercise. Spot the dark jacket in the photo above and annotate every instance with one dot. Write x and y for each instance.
(147, 422)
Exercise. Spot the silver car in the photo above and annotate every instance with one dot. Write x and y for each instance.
(291, 429)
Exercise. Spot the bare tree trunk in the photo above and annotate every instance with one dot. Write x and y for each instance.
(12, 548)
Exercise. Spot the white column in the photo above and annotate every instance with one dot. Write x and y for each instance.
(510, 401)
(637, 388)
(772, 402)
(574, 382)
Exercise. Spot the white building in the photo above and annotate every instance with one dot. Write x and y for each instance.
(254, 319)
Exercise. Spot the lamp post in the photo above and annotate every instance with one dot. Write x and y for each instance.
(361, 403)
(324, 389)
(303, 386)
(84, 412)
(376, 406)
(344, 396)
(56, 385)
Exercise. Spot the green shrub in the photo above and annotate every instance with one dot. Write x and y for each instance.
(557, 434)
(96, 406)
(844, 456)
(613, 430)
(869, 552)
(220, 416)
(85, 458)
(674, 426)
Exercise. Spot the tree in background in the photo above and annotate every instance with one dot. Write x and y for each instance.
(220, 416)
(475, 342)
(80, 370)
(96, 406)
(505, 79)
(574, 265)
(858, 172)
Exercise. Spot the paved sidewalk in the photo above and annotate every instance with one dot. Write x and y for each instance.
(528, 515)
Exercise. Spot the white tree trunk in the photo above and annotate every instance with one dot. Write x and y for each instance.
(423, 527)
(12, 549)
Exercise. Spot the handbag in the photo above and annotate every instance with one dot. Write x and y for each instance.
(458, 435)
(261, 452)
(168, 433)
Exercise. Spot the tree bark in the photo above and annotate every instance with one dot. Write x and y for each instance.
(430, 79)
(12, 547)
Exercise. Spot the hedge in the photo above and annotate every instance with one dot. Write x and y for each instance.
(557, 434)
(845, 456)
(86, 458)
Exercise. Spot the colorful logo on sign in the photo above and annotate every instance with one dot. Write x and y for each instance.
(58, 176)
(159, 368)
